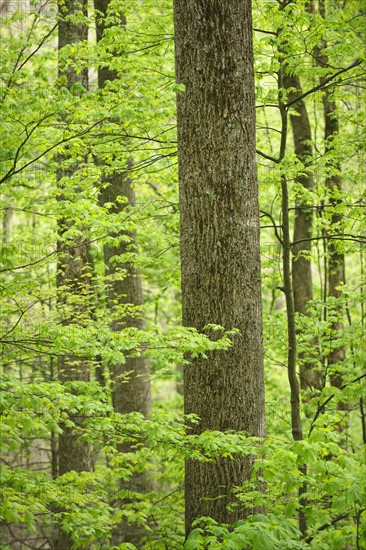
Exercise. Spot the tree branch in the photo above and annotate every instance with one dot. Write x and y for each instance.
(274, 225)
(346, 237)
(14, 171)
(265, 32)
(326, 525)
(355, 63)
(265, 156)
(321, 407)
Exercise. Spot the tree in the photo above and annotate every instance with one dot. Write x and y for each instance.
(64, 146)
(131, 382)
(335, 263)
(302, 281)
(219, 238)
(73, 259)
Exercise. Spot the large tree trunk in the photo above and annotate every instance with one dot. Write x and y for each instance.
(219, 236)
(303, 221)
(131, 381)
(73, 273)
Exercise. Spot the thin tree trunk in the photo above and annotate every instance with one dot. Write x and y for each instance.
(219, 237)
(131, 381)
(302, 283)
(73, 273)
(336, 259)
(296, 424)
(7, 224)
(336, 262)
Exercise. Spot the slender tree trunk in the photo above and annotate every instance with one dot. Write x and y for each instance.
(7, 224)
(296, 424)
(73, 272)
(336, 259)
(336, 262)
(219, 237)
(302, 283)
(131, 382)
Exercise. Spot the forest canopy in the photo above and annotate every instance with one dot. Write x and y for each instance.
(183, 256)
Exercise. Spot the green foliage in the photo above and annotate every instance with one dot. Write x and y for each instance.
(258, 531)
(78, 137)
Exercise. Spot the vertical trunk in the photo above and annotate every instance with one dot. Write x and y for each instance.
(336, 260)
(301, 263)
(296, 424)
(7, 224)
(73, 274)
(336, 265)
(131, 382)
(219, 237)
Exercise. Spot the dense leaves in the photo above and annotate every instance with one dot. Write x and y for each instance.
(77, 137)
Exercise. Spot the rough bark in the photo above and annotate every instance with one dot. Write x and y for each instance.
(73, 273)
(69, 33)
(131, 382)
(303, 221)
(73, 281)
(220, 255)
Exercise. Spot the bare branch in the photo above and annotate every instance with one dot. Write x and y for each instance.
(268, 157)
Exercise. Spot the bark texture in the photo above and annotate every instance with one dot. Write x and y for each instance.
(131, 381)
(302, 283)
(70, 32)
(73, 272)
(220, 254)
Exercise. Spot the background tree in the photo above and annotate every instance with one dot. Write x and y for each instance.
(334, 260)
(289, 19)
(302, 280)
(131, 382)
(73, 255)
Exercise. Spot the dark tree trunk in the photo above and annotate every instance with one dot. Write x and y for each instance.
(296, 424)
(303, 221)
(131, 381)
(73, 273)
(219, 236)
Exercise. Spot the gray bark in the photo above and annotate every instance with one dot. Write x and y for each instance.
(220, 254)
(336, 261)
